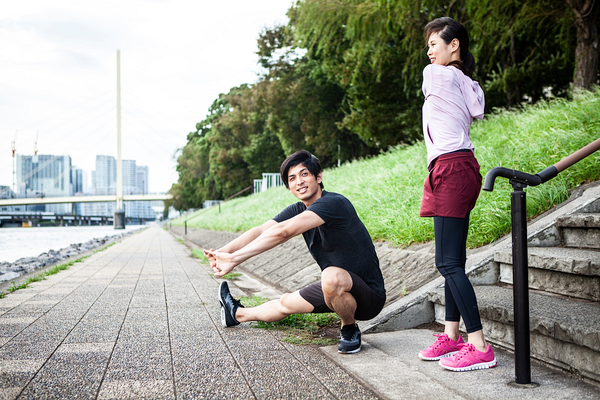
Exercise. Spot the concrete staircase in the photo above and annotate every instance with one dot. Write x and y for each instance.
(564, 297)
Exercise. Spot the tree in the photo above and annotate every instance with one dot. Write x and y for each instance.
(524, 49)
(586, 13)
(304, 106)
(230, 147)
(343, 80)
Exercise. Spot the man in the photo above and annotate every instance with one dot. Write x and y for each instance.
(351, 281)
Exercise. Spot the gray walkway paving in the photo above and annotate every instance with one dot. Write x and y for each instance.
(141, 320)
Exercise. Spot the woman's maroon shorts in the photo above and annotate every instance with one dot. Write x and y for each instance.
(452, 186)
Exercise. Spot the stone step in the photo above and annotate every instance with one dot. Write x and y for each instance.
(561, 270)
(580, 230)
(564, 332)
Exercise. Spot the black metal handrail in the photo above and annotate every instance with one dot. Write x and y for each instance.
(518, 205)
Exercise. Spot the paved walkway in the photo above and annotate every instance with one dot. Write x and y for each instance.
(141, 320)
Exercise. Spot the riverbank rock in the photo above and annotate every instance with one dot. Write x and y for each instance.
(9, 271)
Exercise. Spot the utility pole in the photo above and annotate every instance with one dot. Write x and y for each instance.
(119, 217)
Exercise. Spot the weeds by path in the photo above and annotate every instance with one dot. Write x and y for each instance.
(199, 254)
(300, 329)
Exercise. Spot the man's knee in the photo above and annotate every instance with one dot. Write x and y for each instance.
(284, 302)
(293, 303)
(335, 281)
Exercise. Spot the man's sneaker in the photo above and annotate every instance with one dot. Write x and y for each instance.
(229, 305)
(443, 347)
(349, 339)
(469, 358)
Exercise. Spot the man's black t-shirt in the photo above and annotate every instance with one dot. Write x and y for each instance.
(342, 241)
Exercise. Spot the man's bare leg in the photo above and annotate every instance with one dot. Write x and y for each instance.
(337, 283)
(275, 310)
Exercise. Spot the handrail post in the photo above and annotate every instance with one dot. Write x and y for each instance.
(518, 204)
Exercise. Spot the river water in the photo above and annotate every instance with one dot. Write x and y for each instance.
(16, 243)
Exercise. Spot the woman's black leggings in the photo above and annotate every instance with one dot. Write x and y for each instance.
(450, 259)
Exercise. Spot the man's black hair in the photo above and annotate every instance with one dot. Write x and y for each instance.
(300, 157)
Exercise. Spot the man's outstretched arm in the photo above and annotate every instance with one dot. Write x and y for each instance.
(276, 234)
(239, 242)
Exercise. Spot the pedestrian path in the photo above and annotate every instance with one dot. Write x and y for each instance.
(141, 320)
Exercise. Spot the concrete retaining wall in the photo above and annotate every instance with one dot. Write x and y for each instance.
(290, 266)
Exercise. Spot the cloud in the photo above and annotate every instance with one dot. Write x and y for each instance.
(59, 74)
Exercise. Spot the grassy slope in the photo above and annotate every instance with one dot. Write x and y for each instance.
(386, 190)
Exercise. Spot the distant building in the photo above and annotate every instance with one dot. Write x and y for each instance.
(7, 193)
(104, 181)
(129, 177)
(105, 176)
(142, 179)
(45, 175)
(77, 180)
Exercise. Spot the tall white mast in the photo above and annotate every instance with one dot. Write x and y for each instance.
(119, 217)
(119, 163)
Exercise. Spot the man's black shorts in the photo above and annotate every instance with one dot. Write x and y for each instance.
(368, 304)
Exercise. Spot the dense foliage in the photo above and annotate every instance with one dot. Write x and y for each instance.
(386, 190)
(343, 80)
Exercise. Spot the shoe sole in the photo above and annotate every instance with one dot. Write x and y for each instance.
(223, 317)
(350, 351)
(422, 357)
(223, 320)
(484, 365)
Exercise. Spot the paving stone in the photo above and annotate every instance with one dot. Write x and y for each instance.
(134, 389)
(142, 320)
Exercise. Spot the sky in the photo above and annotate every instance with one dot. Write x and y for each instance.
(58, 75)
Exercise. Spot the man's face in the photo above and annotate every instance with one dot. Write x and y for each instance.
(303, 184)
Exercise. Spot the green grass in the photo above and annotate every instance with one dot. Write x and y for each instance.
(387, 190)
(300, 329)
(105, 247)
(35, 278)
(14, 287)
(232, 276)
(199, 254)
(180, 240)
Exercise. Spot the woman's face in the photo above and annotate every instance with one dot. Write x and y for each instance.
(440, 52)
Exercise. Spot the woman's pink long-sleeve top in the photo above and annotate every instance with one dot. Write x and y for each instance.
(452, 100)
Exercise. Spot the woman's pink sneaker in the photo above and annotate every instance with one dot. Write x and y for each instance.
(443, 347)
(469, 358)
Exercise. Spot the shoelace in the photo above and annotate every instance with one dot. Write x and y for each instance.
(347, 335)
(236, 302)
(441, 339)
(464, 349)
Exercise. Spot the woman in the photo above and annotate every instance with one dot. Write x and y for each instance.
(452, 100)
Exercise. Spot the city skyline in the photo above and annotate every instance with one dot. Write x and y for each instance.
(136, 178)
(59, 72)
(48, 175)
